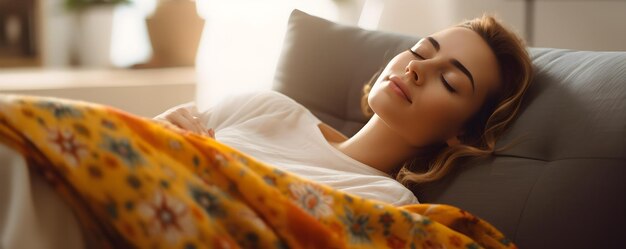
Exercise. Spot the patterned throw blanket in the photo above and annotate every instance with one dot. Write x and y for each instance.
(135, 183)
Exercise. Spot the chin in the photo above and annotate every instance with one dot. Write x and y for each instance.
(378, 103)
(395, 118)
(384, 103)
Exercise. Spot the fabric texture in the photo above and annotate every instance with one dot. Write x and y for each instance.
(278, 131)
(133, 183)
(568, 146)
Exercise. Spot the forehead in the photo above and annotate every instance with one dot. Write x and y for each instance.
(473, 52)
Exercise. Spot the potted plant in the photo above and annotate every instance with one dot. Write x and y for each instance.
(92, 31)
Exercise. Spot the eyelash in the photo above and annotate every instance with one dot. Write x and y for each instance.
(443, 80)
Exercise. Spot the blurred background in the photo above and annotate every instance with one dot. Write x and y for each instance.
(147, 55)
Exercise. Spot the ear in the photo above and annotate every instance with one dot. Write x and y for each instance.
(453, 141)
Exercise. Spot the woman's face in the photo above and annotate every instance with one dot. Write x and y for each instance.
(427, 93)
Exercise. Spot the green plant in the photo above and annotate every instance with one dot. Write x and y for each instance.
(79, 4)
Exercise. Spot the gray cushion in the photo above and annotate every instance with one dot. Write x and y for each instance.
(324, 67)
(561, 186)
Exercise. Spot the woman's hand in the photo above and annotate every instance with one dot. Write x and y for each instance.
(182, 118)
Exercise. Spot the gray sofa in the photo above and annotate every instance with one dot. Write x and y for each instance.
(561, 186)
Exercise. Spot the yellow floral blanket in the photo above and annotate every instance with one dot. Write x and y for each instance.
(135, 183)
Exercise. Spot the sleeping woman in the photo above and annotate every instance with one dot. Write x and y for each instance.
(444, 100)
(132, 183)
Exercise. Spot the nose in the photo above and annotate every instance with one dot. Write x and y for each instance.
(412, 72)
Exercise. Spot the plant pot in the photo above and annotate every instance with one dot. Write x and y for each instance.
(93, 31)
(174, 30)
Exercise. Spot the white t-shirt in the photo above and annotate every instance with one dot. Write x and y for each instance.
(276, 130)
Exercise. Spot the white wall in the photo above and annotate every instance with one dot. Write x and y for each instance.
(424, 17)
(580, 25)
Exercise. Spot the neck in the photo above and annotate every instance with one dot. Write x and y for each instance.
(378, 146)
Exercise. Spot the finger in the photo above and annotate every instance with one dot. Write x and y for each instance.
(180, 121)
(184, 119)
(174, 117)
(200, 125)
(211, 133)
(193, 123)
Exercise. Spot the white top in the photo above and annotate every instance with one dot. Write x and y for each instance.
(276, 130)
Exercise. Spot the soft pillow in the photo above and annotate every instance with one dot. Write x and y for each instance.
(324, 66)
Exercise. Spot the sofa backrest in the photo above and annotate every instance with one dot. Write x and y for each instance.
(562, 183)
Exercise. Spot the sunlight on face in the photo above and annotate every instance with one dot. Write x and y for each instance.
(428, 92)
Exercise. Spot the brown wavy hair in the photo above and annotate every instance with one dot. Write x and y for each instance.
(496, 114)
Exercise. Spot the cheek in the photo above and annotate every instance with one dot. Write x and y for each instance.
(435, 119)
(396, 65)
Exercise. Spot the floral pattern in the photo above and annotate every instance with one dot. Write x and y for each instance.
(122, 149)
(312, 199)
(357, 226)
(67, 146)
(135, 183)
(167, 217)
(210, 203)
(59, 109)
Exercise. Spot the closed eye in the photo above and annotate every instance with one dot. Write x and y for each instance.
(443, 79)
(416, 54)
(447, 85)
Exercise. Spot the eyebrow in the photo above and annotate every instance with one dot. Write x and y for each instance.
(434, 42)
(454, 62)
(460, 66)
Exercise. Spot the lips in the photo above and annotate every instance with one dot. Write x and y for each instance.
(398, 82)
